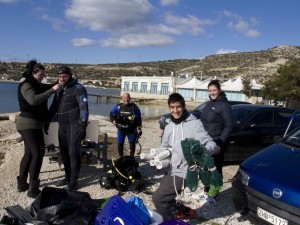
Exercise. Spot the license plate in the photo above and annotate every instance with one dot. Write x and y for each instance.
(271, 218)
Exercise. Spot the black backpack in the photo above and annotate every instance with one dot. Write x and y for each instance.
(123, 174)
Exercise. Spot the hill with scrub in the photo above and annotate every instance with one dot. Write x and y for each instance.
(259, 65)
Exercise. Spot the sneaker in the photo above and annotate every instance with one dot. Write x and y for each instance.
(200, 196)
(186, 214)
(209, 201)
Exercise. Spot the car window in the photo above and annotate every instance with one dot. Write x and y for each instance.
(262, 119)
(293, 138)
(200, 107)
(239, 115)
(282, 119)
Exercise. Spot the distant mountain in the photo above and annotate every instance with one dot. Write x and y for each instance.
(259, 65)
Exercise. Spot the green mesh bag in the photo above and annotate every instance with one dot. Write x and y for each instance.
(200, 166)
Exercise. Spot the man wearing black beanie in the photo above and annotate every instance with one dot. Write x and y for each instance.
(70, 109)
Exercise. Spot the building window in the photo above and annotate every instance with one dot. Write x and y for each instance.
(164, 89)
(144, 87)
(134, 86)
(186, 93)
(234, 95)
(153, 88)
(126, 86)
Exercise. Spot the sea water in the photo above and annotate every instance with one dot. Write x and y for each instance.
(9, 101)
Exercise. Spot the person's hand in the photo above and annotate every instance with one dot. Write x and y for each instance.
(219, 144)
(46, 128)
(57, 87)
(139, 130)
(83, 134)
(217, 149)
(114, 122)
(83, 131)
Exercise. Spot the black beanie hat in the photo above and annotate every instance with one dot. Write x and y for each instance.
(64, 70)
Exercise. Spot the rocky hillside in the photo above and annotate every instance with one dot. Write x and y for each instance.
(259, 65)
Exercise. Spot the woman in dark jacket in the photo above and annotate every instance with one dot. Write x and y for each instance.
(217, 120)
(32, 96)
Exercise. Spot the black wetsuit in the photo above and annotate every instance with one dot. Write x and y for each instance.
(128, 118)
(70, 109)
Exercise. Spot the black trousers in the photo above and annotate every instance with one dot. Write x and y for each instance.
(69, 135)
(164, 197)
(34, 151)
(219, 160)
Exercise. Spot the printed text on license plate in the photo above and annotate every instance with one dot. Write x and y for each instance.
(271, 218)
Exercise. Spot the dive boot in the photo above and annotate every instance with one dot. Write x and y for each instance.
(34, 190)
(22, 184)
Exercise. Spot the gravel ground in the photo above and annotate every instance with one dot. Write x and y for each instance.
(221, 213)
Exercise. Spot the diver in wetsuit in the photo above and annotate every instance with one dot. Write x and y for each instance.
(127, 118)
(70, 109)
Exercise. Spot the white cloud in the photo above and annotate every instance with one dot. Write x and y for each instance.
(162, 28)
(78, 42)
(137, 40)
(57, 24)
(5, 58)
(129, 23)
(189, 24)
(112, 15)
(8, 1)
(169, 2)
(252, 33)
(242, 25)
(225, 51)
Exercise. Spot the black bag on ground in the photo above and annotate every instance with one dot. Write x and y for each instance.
(17, 215)
(123, 174)
(61, 206)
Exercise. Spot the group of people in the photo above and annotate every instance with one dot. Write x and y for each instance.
(70, 109)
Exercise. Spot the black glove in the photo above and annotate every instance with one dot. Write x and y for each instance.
(46, 128)
(83, 131)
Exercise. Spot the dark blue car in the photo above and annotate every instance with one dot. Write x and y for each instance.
(254, 127)
(267, 185)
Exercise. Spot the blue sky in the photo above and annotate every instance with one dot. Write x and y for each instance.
(120, 31)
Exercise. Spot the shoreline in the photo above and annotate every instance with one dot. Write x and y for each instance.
(189, 106)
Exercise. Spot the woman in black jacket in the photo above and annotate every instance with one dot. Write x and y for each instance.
(217, 120)
(32, 96)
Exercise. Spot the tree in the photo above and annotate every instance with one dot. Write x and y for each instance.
(284, 85)
(246, 87)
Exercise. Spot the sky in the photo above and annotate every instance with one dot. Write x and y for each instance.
(125, 31)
